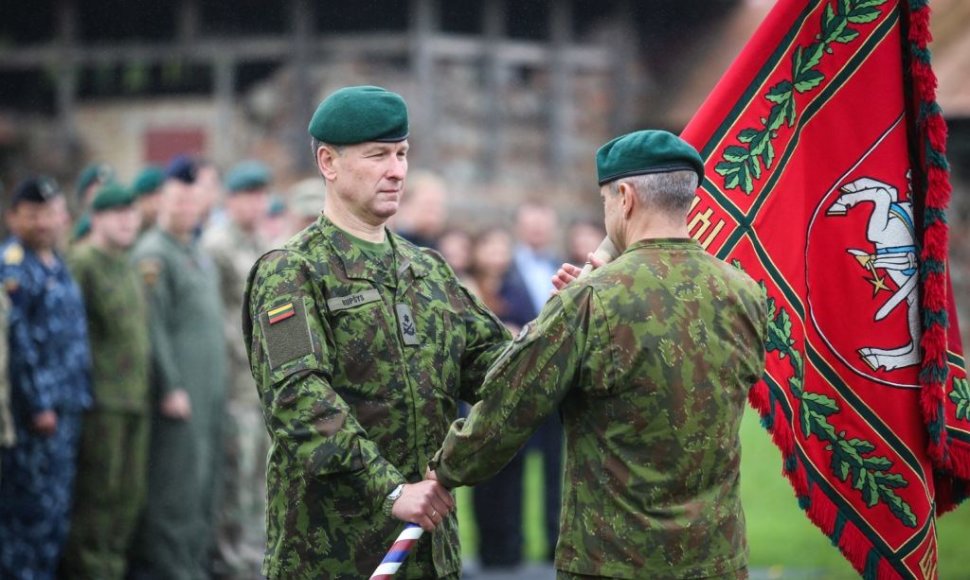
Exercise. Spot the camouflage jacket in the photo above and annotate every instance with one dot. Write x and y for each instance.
(649, 359)
(50, 359)
(360, 366)
(117, 327)
(234, 253)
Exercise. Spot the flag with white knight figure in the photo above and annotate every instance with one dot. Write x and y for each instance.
(826, 180)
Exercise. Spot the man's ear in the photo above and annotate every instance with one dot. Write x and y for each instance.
(326, 158)
(628, 198)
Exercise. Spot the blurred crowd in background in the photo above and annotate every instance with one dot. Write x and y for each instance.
(170, 481)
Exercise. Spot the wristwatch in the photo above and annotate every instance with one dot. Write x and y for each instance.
(391, 498)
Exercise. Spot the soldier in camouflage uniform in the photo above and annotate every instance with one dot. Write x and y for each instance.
(649, 360)
(189, 351)
(50, 367)
(362, 345)
(235, 246)
(113, 454)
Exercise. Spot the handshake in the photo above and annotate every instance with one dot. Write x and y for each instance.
(425, 503)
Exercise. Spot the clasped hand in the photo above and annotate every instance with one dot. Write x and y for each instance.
(425, 503)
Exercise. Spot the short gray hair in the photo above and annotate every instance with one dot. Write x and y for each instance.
(316, 144)
(671, 193)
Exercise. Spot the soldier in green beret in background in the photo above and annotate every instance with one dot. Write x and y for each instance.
(113, 451)
(147, 189)
(189, 362)
(235, 245)
(362, 345)
(649, 359)
(90, 180)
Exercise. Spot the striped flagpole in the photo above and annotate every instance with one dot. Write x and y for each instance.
(398, 553)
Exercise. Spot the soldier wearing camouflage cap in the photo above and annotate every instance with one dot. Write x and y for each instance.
(649, 359)
(361, 345)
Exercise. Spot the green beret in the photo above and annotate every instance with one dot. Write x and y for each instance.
(360, 114)
(248, 176)
(112, 196)
(643, 152)
(148, 181)
(99, 172)
(82, 227)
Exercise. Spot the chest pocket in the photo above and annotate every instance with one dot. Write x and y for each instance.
(441, 344)
(364, 344)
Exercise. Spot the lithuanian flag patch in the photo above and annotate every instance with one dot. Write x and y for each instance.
(281, 313)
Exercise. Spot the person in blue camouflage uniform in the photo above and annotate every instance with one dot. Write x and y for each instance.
(50, 386)
(362, 345)
(649, 359)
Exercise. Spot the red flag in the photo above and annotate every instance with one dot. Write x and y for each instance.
(826, 180)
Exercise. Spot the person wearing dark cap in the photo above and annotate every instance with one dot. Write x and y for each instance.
(113, 454)
(189, 383)
(649, 360)
(235, 245)
(50, 385)
(147, 189)
(362, 345)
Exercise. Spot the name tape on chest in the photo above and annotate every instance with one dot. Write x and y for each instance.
(344, 302)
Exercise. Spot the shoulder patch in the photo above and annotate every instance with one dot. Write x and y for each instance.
(150, 268)
(13, 255)
(286, 333)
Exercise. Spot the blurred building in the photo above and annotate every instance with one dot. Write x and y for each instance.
(508, 97)
(502, 92)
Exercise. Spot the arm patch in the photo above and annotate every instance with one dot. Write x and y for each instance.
(286, 332)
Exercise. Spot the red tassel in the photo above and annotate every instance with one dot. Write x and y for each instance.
(924, 81)
(822, 511)
(919, 27)
(855, 546)
(935, 297)
(782, 433)
(936, 131)
(939, 189)
(930, 398)
(886, 570)
(935, 240)
(959, 461)
(758, 398)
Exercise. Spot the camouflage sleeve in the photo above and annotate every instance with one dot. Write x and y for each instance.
(157, 279)
(485, 339)
(525, 385)
(288, 340)
(33, 384)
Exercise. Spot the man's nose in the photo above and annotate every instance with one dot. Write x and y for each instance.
(398, 168)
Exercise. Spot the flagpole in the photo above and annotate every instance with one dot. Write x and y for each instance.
(398, 552)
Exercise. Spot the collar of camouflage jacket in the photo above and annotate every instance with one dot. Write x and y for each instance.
(408, 258)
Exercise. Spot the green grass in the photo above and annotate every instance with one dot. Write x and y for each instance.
(781, 538)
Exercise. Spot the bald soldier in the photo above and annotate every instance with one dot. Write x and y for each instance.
(649, 360)
(361, 345)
